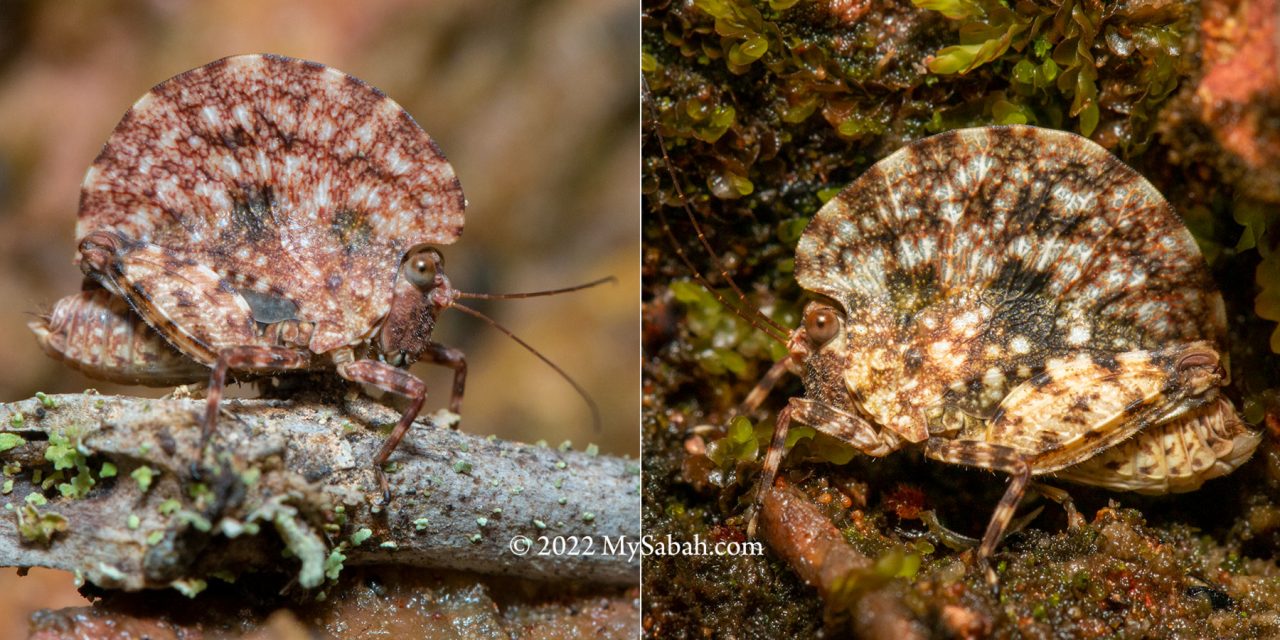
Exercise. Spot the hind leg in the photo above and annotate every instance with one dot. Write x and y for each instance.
(988, 456)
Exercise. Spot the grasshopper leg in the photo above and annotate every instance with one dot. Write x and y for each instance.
(398, 381)
(988, 456)
(827, 419)
(437, 353)
(253, 358)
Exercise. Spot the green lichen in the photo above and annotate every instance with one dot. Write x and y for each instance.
(46, 401)
(333, 564)
(360, 536)
(193, 519)
(66, 452)
(144, 475)
(108, 470)
(39, 528)
(299, 539)
(10, 440)
(189, 587)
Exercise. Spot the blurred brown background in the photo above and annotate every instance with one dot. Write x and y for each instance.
(535, 104)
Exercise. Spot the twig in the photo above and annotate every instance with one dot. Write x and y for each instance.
(292, 489)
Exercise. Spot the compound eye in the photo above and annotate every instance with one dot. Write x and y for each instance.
(421, 265)
(1197, 360)
(821, 325)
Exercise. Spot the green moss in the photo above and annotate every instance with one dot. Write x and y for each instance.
(1051, 52)
(740, 444)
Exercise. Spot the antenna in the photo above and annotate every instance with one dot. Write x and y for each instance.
(535, 294)
(595, 410)
(771, 328)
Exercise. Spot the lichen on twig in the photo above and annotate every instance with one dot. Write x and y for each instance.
(287, 487)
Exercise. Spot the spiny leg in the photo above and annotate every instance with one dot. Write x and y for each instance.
(255, 358)
(398, 381)
(846, 427)
(995, 457)
(772, 460)
(437, 353)
(1060, 496)
(761, 390)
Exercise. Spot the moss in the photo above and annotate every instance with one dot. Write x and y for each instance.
(1050, 55)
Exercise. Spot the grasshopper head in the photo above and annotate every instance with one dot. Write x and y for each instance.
(422, 291)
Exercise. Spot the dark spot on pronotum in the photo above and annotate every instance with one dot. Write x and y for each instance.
(912, 359)
(251, 211)
(1105, 360)
(352, 229)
